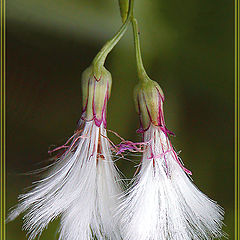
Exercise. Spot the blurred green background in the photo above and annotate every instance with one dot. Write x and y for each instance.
(188, 48)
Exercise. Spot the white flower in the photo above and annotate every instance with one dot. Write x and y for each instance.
(163, 203)
(82, 186)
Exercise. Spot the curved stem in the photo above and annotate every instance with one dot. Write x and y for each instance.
(99, 60)
(143, 77)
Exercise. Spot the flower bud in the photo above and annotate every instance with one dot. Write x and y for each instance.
(124, 6)
(96, 92)
(149, 99)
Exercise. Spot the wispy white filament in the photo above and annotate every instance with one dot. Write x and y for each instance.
(163, 203)
(81, 187)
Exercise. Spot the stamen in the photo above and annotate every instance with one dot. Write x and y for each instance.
(65, 146)
(125, 145)
(131, 146)
(179, 162)
(113, 146)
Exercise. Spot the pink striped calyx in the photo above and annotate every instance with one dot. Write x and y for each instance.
(149, 100)
(96, 92)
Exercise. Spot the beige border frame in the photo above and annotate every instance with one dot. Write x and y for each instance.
(3, 120)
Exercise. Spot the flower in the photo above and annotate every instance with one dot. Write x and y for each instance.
(82, 185)
(163, 203)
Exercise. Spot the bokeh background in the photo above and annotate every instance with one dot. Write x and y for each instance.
(188, 48)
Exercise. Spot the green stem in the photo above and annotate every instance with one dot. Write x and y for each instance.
(99, 60)
(143, 77)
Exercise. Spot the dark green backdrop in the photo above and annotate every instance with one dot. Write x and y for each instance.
(188, 48)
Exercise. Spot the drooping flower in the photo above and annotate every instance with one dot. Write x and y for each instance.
(163, 203)
(82, 185)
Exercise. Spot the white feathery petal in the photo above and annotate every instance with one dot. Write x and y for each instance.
(163, 203)
(82, 187)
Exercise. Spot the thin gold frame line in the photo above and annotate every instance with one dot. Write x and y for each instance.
(235, 129)
(1, 117)
(238, 111)
(238, 107)
(235, 125)
(236, 217)
(4, 119)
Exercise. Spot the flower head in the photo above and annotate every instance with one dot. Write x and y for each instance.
(82, 184)
(163, 203)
